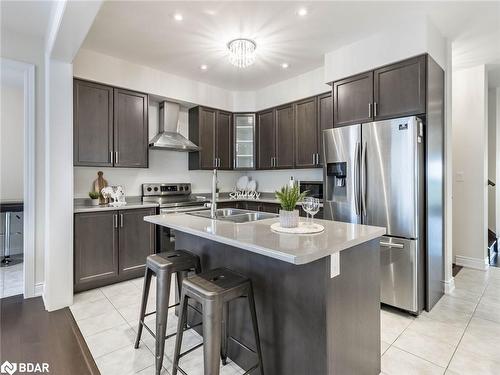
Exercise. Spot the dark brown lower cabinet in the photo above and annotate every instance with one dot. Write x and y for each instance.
(96, 249)
(136, 241)
(111, 246)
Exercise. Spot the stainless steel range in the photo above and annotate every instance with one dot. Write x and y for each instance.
(172, 198)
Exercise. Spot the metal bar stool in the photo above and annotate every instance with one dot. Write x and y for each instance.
(163, 265)
(214, 290)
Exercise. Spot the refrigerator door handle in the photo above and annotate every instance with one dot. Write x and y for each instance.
(388, 244)
(356, 179)
(363, 179)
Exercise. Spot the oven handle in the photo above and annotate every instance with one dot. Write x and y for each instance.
(178, 210)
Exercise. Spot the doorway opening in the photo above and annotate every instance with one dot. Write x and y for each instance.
(17, 182)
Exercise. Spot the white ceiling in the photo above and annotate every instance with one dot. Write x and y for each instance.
(26, 17)
(146, 33)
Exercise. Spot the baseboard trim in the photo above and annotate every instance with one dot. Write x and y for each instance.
(449, 285)
(476, 263)
(39, 289)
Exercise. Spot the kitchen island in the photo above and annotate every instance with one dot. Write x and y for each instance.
(317, 296)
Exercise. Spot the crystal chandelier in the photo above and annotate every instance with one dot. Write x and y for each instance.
(241, 52)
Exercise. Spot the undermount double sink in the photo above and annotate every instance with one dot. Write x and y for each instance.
(235, 215)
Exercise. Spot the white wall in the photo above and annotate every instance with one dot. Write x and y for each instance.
(113, 71)
(299, 87)
(31, 50)
(12, 141)
(492, 156)
(497, 197)
(470, 133)
(398, 42)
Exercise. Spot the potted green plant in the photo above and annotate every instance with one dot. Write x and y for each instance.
(288, 198)
(94, 197)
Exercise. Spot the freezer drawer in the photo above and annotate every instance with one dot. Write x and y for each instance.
(399, 273)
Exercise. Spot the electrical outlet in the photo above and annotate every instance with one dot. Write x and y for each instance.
(459, 177)
(334, 265)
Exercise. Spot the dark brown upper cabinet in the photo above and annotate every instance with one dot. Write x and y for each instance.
(224, 140)
(285, 137)
(399, 89)
(266, 139)
(110, 126)
(353, 100)
(130, 129)
(211, 130)
(136, 241)
(111, 246)
(92, 124)
(306, 133)
(325, 120)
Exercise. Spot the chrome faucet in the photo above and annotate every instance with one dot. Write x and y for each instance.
(213, 203)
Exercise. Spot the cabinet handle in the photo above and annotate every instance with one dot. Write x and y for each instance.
(218, 162)
(314, 159)
(375, 109)
(116, 157)
(121, 220)
(317, 158)
(369, 109)
(115, 221)
(272, 162)
(111, 156)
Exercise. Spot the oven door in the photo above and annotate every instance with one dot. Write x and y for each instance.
(166, 236)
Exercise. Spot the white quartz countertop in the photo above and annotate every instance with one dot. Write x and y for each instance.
(258, 237)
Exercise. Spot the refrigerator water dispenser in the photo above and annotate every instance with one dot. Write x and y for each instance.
(338, 171)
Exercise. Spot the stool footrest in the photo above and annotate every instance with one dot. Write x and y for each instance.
(242, 345)
(190, 350)
(251, 369)
(181, 370)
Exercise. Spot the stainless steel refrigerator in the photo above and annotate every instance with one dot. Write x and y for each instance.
(374, 175)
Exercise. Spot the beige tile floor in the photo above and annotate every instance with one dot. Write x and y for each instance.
(461, 335)
(11, 280)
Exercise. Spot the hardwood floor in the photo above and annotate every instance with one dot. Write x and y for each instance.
(31, 334)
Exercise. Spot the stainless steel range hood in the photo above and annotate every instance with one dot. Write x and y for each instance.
(169, 137)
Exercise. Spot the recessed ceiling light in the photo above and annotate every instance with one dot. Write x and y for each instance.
(178, 17)
(284, 65)
(302, 12)
(203, 67)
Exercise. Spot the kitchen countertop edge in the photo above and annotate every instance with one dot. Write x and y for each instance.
(269, 252)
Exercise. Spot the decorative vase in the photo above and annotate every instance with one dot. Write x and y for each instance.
(289, 219)
(94, 202)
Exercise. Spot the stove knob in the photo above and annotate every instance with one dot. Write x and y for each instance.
(155, 189)
(186, 187)
(181, 188)
(149, 188)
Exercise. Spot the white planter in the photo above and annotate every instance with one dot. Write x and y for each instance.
(94, 202)
(289, 219)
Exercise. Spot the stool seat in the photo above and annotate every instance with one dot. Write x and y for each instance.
(176, 260)
(216, 283)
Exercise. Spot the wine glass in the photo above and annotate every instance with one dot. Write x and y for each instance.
(307, 205)
(311, 206)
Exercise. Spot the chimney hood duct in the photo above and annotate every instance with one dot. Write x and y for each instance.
(169, 137)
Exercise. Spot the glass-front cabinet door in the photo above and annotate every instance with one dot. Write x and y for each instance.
(244, 141)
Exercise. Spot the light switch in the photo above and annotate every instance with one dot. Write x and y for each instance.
(459, 177)
(334, 265)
